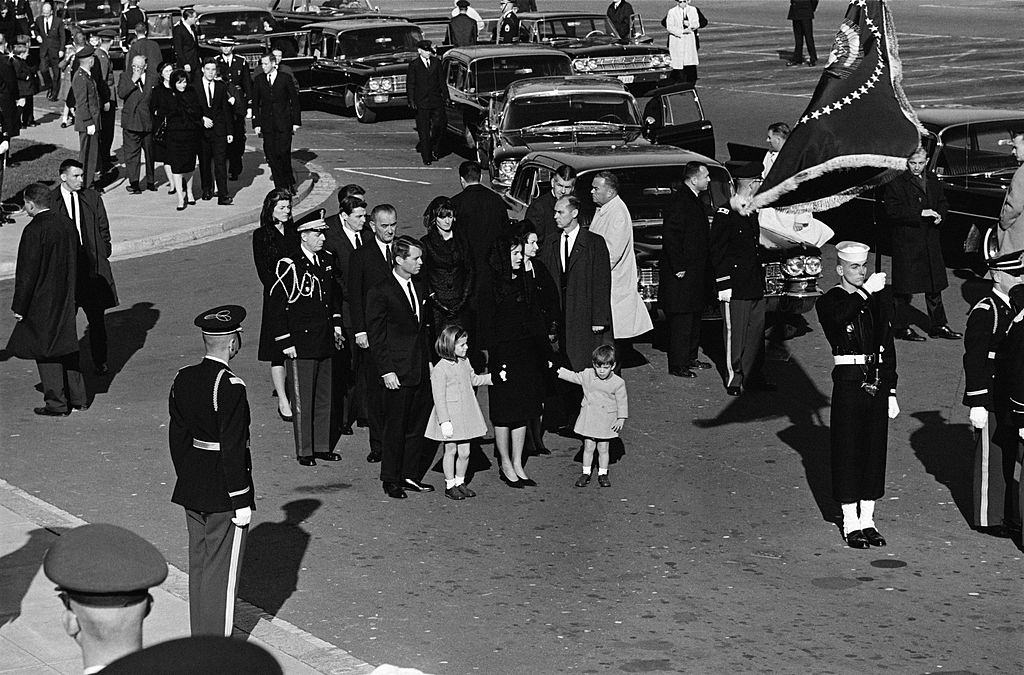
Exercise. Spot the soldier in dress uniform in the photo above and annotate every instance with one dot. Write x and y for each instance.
(856, 318)
(507, 30)
(235, 71)
(131, 17)
(988, 380)
(209, 440)
(103, 574)
(1013, 350)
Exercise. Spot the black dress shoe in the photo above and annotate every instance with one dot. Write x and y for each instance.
(151, 187)
(82, 408)
(733, 391)
(307, 461)
(812, 63)
(946, 333)
(681, 372)
(50, 412)
(873, 537)
(394, 491)
(700, 365)
(328, 456)
(134, 189)
(417, 486)
(793, 63)
(224, 201)
(346, 430)
(207, 196)
(910, 335)
(373, 458)
(233, 176)
(856, 539)
(102, 369)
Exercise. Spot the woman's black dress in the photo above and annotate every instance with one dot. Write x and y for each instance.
(184, 123)
(269, 246)
(159, 104)
(449, 273)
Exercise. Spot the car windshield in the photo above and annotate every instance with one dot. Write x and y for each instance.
(355, 44)
(570, 109)
(646, 190)
(80, 10)
(222, 24)
(982, 147)
(497, 73)
(573, 27)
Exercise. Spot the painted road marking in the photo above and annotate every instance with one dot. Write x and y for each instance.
(377, 175)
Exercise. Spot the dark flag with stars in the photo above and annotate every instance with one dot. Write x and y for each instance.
(859, 127)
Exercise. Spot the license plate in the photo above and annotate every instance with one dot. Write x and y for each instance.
(626, 79)
(380, 98)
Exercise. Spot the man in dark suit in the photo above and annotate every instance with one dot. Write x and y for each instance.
(215, 105)
(108, 97)
(801, 13)
(44, 304)
(541, 211)
(131, 17)
(186, 43)
(368, 266)
(143, 46)
(396, 315)
(10, 99)
(305, 311)
(620, 12)
(235, 72)
(344, 235)
(427, 94)
(96, 291)
(276, 115)
(88, 109)
(135, 88)
(462, 30)
(51, 37)
(683, 264)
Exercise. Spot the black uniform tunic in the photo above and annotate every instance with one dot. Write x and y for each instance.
(857, 324)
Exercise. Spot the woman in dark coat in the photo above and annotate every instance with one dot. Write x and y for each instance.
(519, 352)
(162, 101)
(184, 123)
(447, 267)
(915, 208)
(273, 239)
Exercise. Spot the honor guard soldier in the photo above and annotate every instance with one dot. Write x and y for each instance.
(209, 439)
(856, 317)
(103, 574)
(988, 379)
(201, 654)
(233, 69)
(131, 17)
(506, 32)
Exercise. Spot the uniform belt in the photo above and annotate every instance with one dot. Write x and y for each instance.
(213, 446)
(853, 359)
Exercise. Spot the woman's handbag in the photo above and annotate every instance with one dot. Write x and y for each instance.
(161, 132)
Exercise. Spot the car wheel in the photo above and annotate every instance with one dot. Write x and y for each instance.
(363, 112)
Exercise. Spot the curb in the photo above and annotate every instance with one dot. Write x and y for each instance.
(274, 632)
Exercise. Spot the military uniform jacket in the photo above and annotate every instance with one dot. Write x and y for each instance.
(507, 30)
(856, 324)
(734, 254)
(209, 439)
(304, 304)
(239, 81)
(1012, 353)
(87, 101)
(987, 325)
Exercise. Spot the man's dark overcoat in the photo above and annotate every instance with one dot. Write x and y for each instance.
(685, 248)
(917, 265)
(99, 289)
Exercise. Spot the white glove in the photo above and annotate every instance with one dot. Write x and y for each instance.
(91, 130)
(875, 282)
(4, 146)
(1020, 432)
(979, 417)
(242, 517)
(447, 429)
(725, 295)
(894, 408)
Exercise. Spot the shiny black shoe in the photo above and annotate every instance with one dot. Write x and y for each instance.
(417, 486)
(873, 536)
(733, 391)
(945, 333)
(528, 482)
(307, 461)
(285, 418)
(373, 458)
(583, 480)
(681, 372)
(328, 456)
(856, 539)
(346, 430)
(603, 480)
(206, 196)
(793, 63)
(700, 365)
(910, 335)
(50, 412)
(516, 484)
(394, 491)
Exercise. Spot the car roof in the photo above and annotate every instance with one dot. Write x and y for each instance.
(533, 16)
(342, 25)
(498, 51)
(945, 116)
(211, 9)
(566, 83)
(592, 159)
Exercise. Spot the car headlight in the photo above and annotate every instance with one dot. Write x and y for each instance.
(507, 170)
(812, 265)
(662, 61)
(386, 84)
(794, 267)
(583, 65)
(374, 84)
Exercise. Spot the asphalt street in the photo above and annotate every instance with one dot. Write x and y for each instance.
(713, 551)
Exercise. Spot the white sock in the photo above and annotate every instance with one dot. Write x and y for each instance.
(449, 483)
(586, 471)
(851, 523)
(867, 514)
(459, 480)
(602, 472)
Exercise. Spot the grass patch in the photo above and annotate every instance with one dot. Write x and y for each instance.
(30, 162)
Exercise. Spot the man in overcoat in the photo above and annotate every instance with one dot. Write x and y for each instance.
(427, 93)
(914, 207)
(683, 266)
(462, 29)
(44, 304)
(135, 88)
(52, 37)
(276, 115)
(95, 282)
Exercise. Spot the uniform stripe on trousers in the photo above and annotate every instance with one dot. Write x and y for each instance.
(232, 589)
(985, 452)
(728, 344)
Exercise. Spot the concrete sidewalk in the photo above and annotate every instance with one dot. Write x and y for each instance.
(148, 223)
(33, 641)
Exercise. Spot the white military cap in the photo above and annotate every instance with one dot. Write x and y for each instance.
(852, 251)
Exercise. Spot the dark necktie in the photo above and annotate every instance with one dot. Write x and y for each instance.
(565, 249)
(359, 242)
(412, 299)
(209, 93)
(389, 256)
(74, 216)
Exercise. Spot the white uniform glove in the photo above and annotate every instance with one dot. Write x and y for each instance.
(725, 295)
(447, 429)
(979, 417)
(894, 408)
(242, 517)
(875, 282)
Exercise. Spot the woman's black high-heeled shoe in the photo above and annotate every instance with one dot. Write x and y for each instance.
(517, 484)
(528, 482)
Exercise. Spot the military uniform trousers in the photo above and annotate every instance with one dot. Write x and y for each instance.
(88, 155)
(106, 134)
(997, 486)
(309, 387)
(744, 339)
(215, 549)
(859, 435)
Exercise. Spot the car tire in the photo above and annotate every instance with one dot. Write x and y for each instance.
(364, 113)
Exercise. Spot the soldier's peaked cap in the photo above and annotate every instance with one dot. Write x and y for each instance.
(223, 320)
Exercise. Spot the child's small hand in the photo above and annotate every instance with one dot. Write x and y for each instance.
(448, 429)
(617, 425)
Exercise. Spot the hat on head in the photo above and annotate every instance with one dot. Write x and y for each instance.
(425, 44)
(226, 41)
(223, 320)
(198, 654)
(852, 251)
(108, 33)
(104, 565)
(1011, 263)
(318, 225)
(748, 170)
(85, 52)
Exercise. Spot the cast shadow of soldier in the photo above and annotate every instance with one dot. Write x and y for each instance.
(947, 453)
(126, 334)
(19, 568)
(799, 400)
(273, 558)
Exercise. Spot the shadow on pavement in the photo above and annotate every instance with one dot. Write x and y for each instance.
(19, 568)
(126, 334)
(947, 452)
(273, 558)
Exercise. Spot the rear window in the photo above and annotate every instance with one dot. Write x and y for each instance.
(977, 148)
(390, 40)
(573, 27)
(571, 109)
(223, 24)
(646, 190)
(497, 73)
